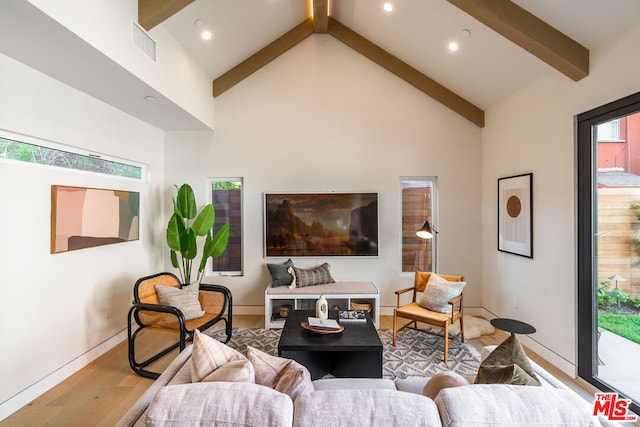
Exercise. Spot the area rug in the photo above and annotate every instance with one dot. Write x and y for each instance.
(416, 354)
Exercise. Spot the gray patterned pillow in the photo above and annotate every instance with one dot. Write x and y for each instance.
(313, 276)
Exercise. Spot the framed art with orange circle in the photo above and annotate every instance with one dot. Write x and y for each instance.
(515, 215)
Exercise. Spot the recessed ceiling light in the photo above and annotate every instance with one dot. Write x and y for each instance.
(204, 32)
(149, 98)
(465, 32)
(453, 46)
(388, 7)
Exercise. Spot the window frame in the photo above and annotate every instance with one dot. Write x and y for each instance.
(586, 213)
(40, 142)
(210, 262)
(433, 220)
(612, 139)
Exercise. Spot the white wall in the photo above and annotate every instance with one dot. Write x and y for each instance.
(322, 117)
(106, 25)
(533, 132)
(61, 311)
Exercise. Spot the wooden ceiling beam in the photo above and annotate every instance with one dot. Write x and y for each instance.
(530, 33)
(153, 12)
(406, 72)
(320, 16)
(263, 57)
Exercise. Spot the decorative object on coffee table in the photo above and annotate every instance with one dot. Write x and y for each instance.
(308, 327)
(322, 308)
(352, 315)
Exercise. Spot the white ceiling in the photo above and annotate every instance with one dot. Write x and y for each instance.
(485, 70)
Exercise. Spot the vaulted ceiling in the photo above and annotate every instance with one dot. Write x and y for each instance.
(506, 46)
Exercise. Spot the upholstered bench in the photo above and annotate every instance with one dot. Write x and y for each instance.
(347, 295)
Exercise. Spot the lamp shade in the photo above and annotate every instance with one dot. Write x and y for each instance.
(425, 231)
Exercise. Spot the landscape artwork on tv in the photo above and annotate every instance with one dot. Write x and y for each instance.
(321, 224)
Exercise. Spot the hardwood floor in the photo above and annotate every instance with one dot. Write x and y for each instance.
(100, 393)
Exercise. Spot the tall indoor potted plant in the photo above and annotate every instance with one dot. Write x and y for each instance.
(183, 229)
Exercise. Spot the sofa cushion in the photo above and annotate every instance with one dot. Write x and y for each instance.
(443, 380)
(313, 276)
(373, 407)
(221, 403)
(512, 405)
(280, 274)
(184, 299)
(354, 383)
(438, 292)
(211, 360)
(285, 375)
(507, 364)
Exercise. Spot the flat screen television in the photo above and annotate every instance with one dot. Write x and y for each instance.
(321, 224)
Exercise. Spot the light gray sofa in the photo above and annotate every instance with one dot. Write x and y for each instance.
(174, 400)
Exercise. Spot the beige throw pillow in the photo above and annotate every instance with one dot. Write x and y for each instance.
(184, 299)
(284, 375)
(438, 292)
(443, 380)
(212, 360)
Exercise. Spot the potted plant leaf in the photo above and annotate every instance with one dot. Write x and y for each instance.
(183, 229)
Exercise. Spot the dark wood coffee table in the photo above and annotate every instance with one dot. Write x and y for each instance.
(356, 352)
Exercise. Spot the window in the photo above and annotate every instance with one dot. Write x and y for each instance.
(226, 196)
(608, 252)
(51, 154)
(418, 206)
(608, 131)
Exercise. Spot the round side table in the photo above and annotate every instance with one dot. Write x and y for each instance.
(513, 326)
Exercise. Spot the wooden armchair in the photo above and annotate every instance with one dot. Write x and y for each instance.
(416, 313)
(148, 313)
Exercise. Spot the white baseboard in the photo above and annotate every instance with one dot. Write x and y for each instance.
(30, 393)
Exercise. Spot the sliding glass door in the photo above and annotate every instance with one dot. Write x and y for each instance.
(609, 247)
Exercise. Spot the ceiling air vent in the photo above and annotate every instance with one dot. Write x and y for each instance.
(143, 41)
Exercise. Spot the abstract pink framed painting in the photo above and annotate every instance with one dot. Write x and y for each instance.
(87, 217)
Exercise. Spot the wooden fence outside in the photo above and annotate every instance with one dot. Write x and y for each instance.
(618, 237)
